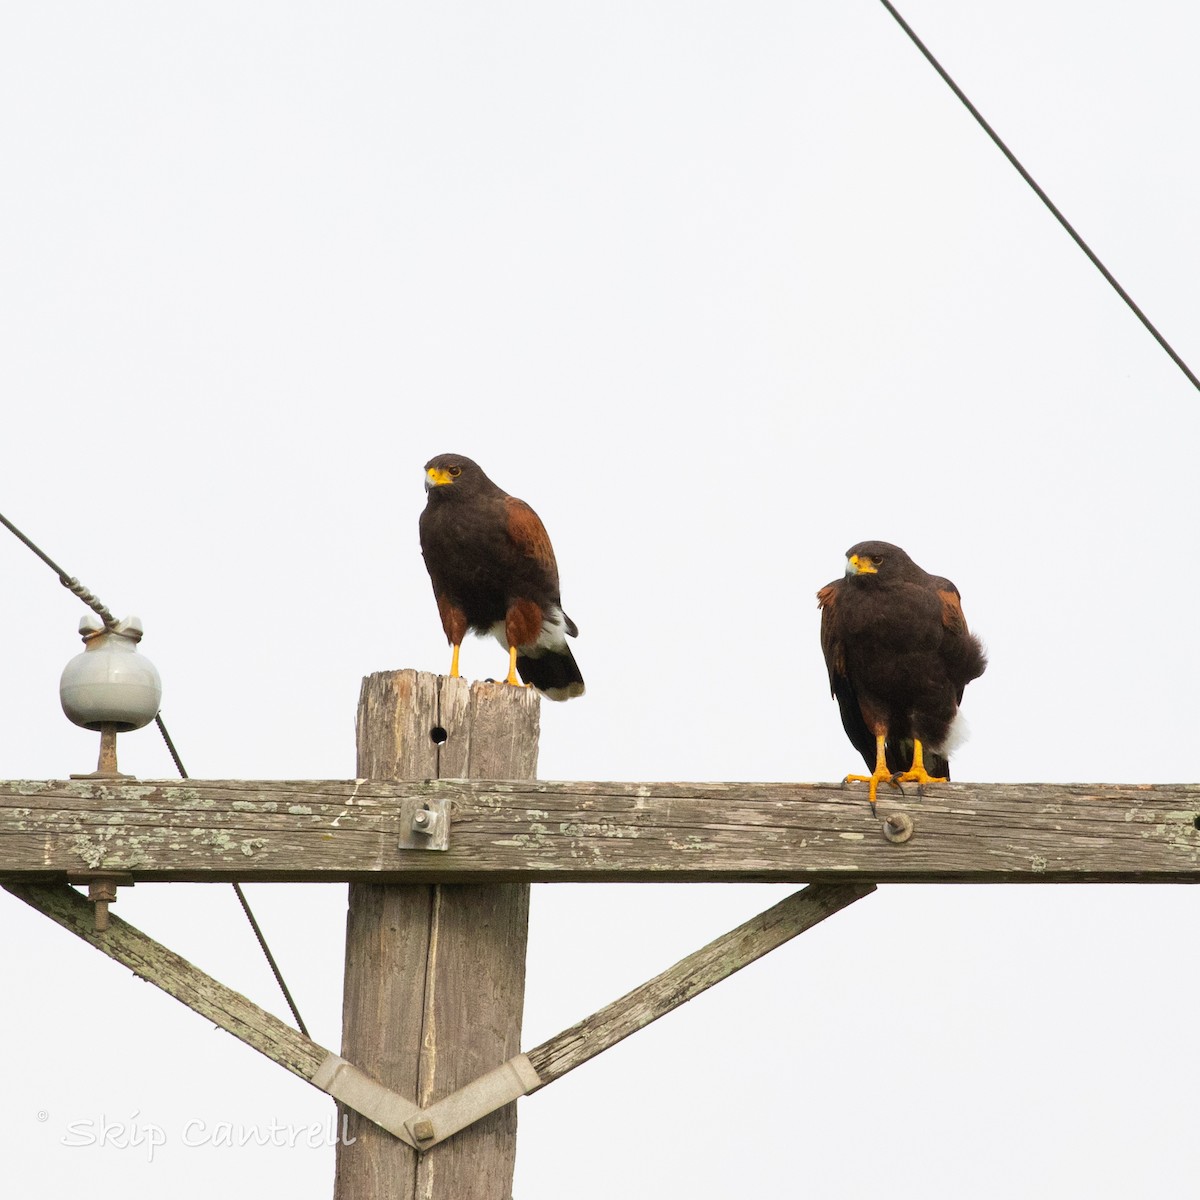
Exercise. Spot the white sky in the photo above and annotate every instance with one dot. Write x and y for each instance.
(720, 289)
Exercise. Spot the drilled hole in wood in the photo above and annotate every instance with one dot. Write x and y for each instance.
(438, 735)
(1196, 822)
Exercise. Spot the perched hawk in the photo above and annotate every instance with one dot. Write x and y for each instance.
(899, 655)
(493, 571)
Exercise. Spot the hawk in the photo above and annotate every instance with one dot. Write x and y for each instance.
(899, 655)
(493, 571)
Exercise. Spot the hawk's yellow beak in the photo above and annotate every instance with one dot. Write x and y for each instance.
(857, 565)
(436, 477)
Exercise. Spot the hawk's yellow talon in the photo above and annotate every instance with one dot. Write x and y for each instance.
(917, 773)
(881, 774)
(919, 778)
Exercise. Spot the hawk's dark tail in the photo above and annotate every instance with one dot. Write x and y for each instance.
(937, 766)
(553, 672)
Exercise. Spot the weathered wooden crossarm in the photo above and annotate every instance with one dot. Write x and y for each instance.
(208, 831)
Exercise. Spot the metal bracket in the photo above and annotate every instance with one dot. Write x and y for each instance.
(345, 1082)
(506, 1083)
(425, 824)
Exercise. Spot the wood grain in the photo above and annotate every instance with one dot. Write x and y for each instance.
(152, 961)
(691, 976)
(603, 832)
(435, 973)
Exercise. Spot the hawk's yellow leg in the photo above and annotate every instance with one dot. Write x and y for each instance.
(454, 662)
(512, 668)
(917, 773)
(881, 774)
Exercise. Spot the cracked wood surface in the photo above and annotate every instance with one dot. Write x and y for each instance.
(435, 974)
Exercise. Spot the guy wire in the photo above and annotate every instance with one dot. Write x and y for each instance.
(73, 585)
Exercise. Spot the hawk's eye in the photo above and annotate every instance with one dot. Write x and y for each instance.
(456, 471)
(876, 559)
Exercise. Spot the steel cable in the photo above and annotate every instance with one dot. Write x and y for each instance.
(73, 584)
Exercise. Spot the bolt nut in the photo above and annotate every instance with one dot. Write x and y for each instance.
(422, 821)
(897, 827)
(423, 1131)
(102, 889)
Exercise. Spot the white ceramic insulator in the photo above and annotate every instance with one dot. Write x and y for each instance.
(110, 683)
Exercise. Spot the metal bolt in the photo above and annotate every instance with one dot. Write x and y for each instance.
(422, 821)
(106, 767)
(423, 1131)
(897, 827)
(102, 893)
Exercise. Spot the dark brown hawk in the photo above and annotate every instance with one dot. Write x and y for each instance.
(899, 655)
(493, 571)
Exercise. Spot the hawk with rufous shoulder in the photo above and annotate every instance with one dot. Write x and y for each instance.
(493, 571)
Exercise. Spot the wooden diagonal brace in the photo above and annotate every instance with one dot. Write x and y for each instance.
(526, 1073)
(266, 1033)
(520, 1076)
(692, 975)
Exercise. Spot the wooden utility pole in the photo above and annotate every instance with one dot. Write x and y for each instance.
(435, 973)
(439, 838)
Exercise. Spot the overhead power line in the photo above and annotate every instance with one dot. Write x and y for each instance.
(1029, 179)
